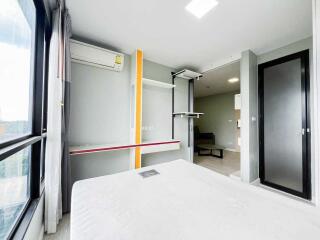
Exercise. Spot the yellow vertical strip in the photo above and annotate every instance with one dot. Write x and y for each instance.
(139, 59)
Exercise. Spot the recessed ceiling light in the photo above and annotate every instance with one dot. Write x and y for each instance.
(233, 80)
(200, 7)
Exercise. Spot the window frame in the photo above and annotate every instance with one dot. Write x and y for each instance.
(45, 67)
(38, 134)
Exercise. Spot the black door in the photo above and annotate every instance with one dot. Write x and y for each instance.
(284, 124)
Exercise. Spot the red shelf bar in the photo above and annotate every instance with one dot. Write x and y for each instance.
(91, 149)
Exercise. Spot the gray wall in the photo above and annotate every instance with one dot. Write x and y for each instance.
(286, 50)
(219, 117)
(156, 118)
(100, 114)
(99, 105)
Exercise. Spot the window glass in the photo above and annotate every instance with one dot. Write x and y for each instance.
(17, 30)
(43, 152)
(45, 81)
(14, 189)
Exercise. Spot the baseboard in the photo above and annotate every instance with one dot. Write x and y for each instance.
(235, 176)
(255, 182)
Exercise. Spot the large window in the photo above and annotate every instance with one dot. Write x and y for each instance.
(17, 34)
(14, 185)
(22, 78)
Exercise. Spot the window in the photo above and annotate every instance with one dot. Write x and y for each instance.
(17, 29)
(14, 185)
(43, 152)
(24, 31)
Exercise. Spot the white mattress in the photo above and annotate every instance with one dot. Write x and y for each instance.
(185, 201)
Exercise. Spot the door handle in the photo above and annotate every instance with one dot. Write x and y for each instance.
(302, 131)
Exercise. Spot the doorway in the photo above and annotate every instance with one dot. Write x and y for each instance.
(284, 136)
(217, 131)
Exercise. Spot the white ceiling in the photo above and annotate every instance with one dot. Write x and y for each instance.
(170, 35)
(216, 81)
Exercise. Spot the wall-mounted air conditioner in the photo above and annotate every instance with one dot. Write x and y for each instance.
(96, 56)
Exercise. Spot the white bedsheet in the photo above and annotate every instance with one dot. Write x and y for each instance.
(185, 201)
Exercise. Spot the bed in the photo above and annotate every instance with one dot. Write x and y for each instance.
(182, 201)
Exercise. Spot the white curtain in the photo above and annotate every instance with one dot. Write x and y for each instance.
(53, 207)
(65, 161)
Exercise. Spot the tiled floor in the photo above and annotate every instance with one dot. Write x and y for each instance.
(63, 231)
(229, 164)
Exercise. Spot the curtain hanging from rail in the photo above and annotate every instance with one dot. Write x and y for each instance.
(65, 162)
(53, 210)
(57, 163)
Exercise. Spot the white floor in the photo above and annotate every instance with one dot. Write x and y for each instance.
(63, 232)
(229, 164)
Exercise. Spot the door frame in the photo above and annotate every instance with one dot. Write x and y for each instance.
(316, 100)
(306, 139)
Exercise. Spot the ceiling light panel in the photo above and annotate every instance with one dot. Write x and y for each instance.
(233, 80)
(199, 8)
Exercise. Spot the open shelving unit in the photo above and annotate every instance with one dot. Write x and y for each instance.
(136, 145)
(138, 82)
(155, 147)
(155, 83)
(190, 76)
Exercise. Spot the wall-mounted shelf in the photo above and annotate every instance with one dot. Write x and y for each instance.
(187, 114)
(187, 74)
(156, 146)
(168, 146)
(155, 83)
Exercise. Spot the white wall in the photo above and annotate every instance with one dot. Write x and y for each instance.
(100, 113)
